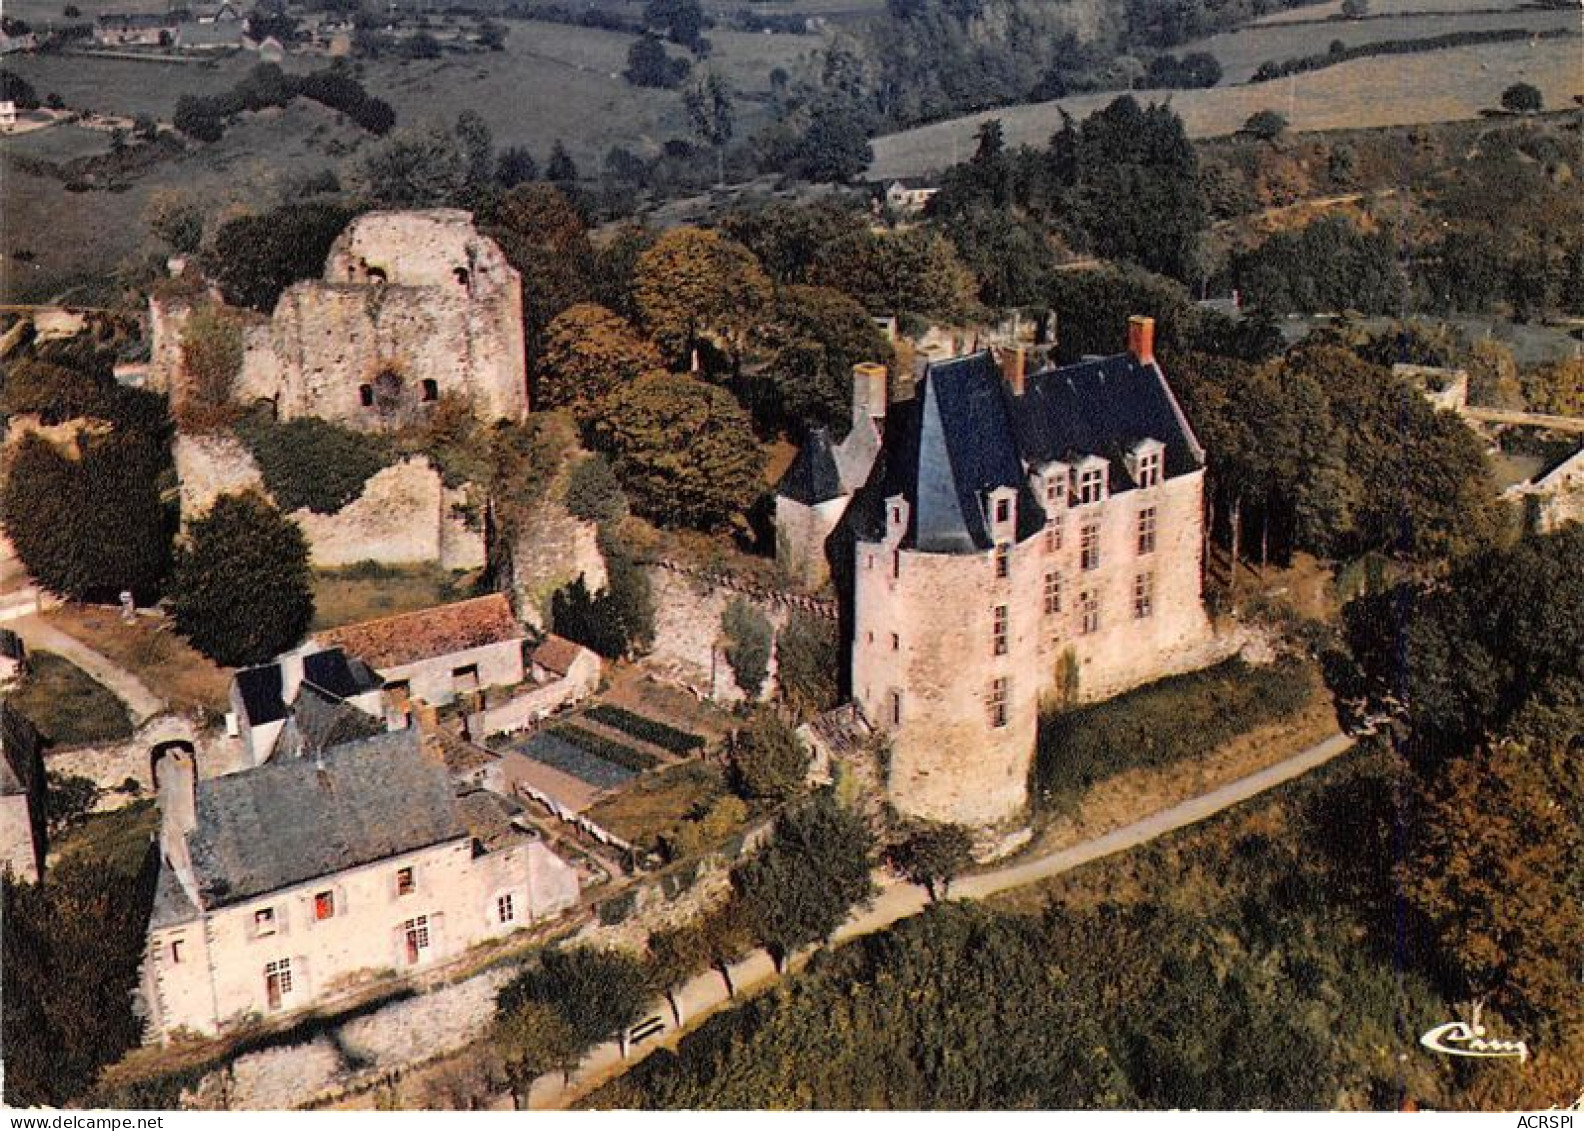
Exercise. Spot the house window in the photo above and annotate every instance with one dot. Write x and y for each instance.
(1146, 531)
(996, 701)
(263, 922)
(417, 935)
(1052, 593)
(1091, 485)
(464, 680)
(1053, 536)
(1089, 546)
(324, 905)
(404, 881)
(277, 982)
(1149, 469)
(504, 910)
(366, 396)
(896, 708)
(176, 952)
(896, 643)
(896, 563)
(1003, 510)
(1003, 560)
(999, 630)
(431, 389)
(1143, 595)
(1089, 607)
(868, 561)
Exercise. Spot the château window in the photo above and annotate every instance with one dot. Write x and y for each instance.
(366, 396)
(324, 905)
(1089, 608)
(896, 643)
(404, 881)
(1053, 536)
(896, 564)
(1003, 560)
(999, 630)
(1146, 531)
(504, 909)
(1089, 546)
(176, 952)
(1003, 510)
(1091, 485)
(1149, 469)
(1143, 595)
(277, 982)
(263, 922)
(896, 708)
(431, 389)
(1052, 593)
(996, 702)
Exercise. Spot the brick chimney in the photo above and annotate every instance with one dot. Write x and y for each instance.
(869, 391)
(1014, 368)
(1141, 339)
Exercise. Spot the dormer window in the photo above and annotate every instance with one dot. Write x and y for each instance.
(1147, 463)
(1001, 509)
(896, 518)
(1091, 482)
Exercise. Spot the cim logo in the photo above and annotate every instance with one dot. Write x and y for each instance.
(1467, 1038)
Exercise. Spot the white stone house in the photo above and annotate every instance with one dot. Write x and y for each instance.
(282, 886)
(440, 653)
(264, 699)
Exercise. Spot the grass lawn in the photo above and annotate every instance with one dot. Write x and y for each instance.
(69, 707)
(117, 840)
(167, 664)
(656, 803)
(360, 593)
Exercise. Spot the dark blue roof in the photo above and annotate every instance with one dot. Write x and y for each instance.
(813, 477)
(261, 694)
(965, 434)
(332, 671)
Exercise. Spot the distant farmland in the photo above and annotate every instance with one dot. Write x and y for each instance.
(1384, 91)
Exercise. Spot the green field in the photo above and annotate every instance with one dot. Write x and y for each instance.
(1440, 86)
(1329, 8)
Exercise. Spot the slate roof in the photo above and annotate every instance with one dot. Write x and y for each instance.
(288, 822)
(965, 434)
(407, 638)
(319, 721)
(261, 694)
(341, 675)
(813, 477)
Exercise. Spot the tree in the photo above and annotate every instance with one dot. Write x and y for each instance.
(533, 1039)
(478, 148)
(933, 855)
(766, 759)
(728, 938)
(710, 113)
(514, 166)
(814, 338)
(749, 639)
(68, 798)
(694, 286)
(212, 353)
(675, 955)
(592, 492)
(15, 88)
(1522, 98)
(89, 525)
(1556, 388)
(684, 450)
(1355, 9)
(176, 219)
(598, 994)
(588, 353)
(561, 170)
(893, 274)
(808, 662)
(199, 118)
(648, 65)
(543, 236)
(799, 888)
(255, 258)
(145, 128)
(241, 590)
(420, 167)
(53, 392)
(681, 20)
(787, 238)
(836, 147)
(1266, 125)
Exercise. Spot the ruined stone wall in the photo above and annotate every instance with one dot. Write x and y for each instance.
(689, 646)
(551, 549)
(924, 658)
(109, 765)
(209, 466)
(801, 534)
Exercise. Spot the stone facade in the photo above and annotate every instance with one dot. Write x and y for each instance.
(412, 306)
(1554, 498)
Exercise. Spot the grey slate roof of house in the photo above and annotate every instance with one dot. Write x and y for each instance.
(288, 822)
(330, 670)
(319, 721)
(965, 434)
(813, 477)
(261, 694)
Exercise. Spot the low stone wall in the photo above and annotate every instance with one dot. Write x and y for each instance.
(110, 764)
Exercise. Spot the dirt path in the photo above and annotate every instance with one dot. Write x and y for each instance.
(141, 703)
(706, 993)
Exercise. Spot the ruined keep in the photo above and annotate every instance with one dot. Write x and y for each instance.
(412, 306)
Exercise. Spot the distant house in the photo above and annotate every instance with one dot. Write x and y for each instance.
(908, 198)
(221, 13)
(264, 698)
(136, 29)
(213, 35)
(284, 885)
(437, 654)
(270, 50)
(8, 116)
(23, 842)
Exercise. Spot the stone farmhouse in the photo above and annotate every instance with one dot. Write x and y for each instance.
(1020, 537)
(282, 886)
(265, 699)
(412, 306)
(441, 653)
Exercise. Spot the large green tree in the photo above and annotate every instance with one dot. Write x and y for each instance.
(589, 351)
(254, 258)
(241, 590)
(767, 761)
(597, 994)
(545, 238)
(684, 450)
(695, 286)
(812, 341)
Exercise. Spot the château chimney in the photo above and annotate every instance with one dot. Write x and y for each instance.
(176, 783)
(1014, 368)
(869, 391)
(1141, 339)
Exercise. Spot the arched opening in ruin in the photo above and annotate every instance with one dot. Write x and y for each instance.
(267, 408)
(431, 389)
(462, 276)
(387, 390)
(377, 275)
